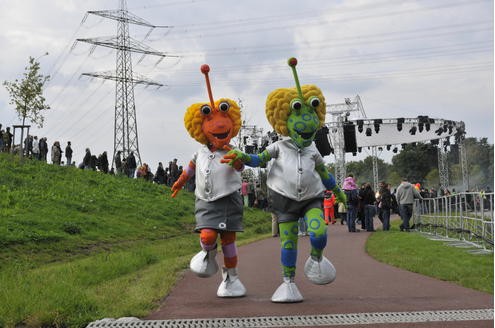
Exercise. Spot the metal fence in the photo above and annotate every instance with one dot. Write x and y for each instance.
(465, 217)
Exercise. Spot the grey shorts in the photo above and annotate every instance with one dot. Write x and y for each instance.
(286, 209)
(222, 214)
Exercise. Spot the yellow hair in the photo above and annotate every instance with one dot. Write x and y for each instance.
(193, 119)
(278, 101)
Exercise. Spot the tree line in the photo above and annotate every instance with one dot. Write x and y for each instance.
(419, 162)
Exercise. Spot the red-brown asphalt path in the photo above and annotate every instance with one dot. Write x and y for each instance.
(363, 285)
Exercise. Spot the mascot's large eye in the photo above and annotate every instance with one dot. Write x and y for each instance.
(224, 106)
(206, 110)
(296, 105)
(314, 102)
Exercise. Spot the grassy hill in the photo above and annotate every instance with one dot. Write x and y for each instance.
(79, 245)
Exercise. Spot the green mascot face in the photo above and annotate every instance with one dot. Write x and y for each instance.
(303, 121)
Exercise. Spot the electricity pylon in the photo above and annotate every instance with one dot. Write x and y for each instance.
(125, 125)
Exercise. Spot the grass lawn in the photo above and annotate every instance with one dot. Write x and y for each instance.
(77, 246)
(414, 252)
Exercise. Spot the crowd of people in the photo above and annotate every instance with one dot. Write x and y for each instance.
(37, 148)
(363, 203)
(6, 138)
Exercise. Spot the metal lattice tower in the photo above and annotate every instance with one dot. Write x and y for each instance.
(374, 154)
(464, 165)
(339, 114)
(125, 124)
(339, 151)
(443, 168)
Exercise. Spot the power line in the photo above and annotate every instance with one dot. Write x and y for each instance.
(305, 22)
(333, 43)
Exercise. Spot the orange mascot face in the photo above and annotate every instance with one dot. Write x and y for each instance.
(217, 124)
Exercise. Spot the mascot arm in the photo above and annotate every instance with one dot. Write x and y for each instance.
(184, 177)
(329, 183)
(251, 160)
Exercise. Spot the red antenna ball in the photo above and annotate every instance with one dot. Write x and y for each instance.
(292, 62)
(205, 69)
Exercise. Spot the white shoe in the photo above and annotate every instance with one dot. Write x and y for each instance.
(319, 272)
(287, 292)
(204, 264)
(231, 285)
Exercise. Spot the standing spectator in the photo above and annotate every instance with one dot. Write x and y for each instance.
(103, 162)
(143, 172)
(43, 145)
(381, 185)
(350, 189)
(68, 154)
(385, 205)
(87, 159)
(360, 210)
(174, 171)
(167, 176)
(160, 174)
(261, 201)
(131, 165)
(406, 193)
(36, 148)
(244, 192)
(7, 140)
(28, 145)
(93, 162)
(118, 163)
(251, 194)
(170, 178)
(125, 169)
(328, 207)
(56, 153)
(342, 211)
(424, 205)
(369, 201)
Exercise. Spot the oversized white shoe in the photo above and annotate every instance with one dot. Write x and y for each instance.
(319, 272)
(287, 292)
(231, 285)
(204, 264)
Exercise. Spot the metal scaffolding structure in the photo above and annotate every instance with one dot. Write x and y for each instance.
(464, 164)
(339, 114)
(443, 166)
(378, 133)
(125, 124)
(374, 156)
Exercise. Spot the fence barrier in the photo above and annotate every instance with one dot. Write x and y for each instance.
(464, 217)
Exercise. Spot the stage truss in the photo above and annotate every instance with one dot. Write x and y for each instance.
(379, 134)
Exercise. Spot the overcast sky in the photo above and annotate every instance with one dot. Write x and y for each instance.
(403, 58)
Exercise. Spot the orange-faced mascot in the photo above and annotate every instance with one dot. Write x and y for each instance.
(219, 205)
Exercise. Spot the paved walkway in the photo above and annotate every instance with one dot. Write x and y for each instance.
(363, 285)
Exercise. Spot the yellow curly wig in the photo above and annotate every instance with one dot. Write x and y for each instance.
(193, 119)
(278, 101)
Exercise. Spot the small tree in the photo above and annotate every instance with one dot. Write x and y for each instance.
(27, 96)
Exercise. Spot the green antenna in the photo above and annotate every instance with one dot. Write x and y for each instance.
(292, 63)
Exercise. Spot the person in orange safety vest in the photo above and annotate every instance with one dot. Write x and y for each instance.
(328, 207)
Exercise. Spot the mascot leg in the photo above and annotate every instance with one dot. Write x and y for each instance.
(231, 285)
(288, 292)
(318, 269)
(204, 263)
